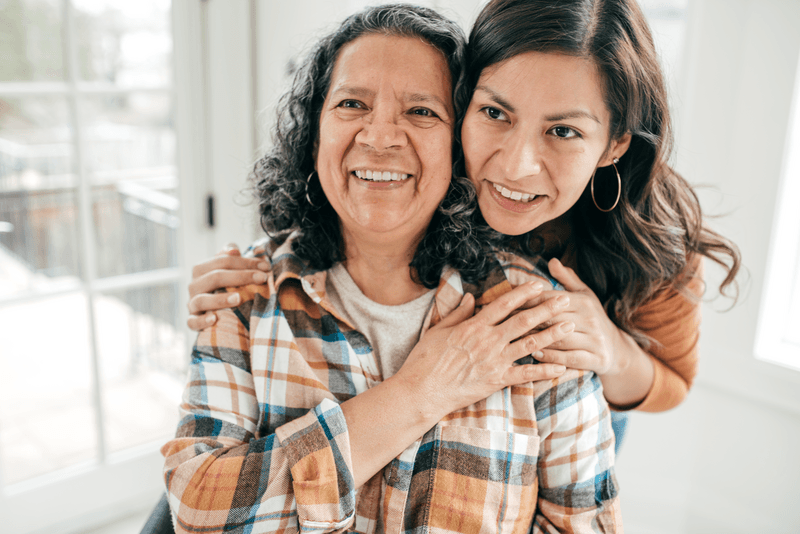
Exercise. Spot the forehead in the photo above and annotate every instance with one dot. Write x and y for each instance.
(407, 64)
(548, 81)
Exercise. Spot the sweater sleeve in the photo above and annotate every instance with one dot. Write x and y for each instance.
(672, 319)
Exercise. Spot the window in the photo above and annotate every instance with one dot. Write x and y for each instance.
(94, 349)
(778, 339)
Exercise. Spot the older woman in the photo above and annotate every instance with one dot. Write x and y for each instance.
(305, 410)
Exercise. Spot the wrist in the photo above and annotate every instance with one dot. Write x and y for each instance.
(410, 393)
(630, 378)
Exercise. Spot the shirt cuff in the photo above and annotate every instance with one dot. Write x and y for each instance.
(317, 446)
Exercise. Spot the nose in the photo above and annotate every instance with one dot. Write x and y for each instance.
(381, 130)
(522, 156)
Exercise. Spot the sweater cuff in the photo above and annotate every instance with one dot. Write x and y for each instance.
(317, 446)
(660, 398)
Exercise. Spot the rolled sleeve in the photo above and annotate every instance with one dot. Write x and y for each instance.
(577, 486)
(226, 469)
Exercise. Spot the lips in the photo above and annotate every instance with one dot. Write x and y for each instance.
(513, 195)
(381, 176)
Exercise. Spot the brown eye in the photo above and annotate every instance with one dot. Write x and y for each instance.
(564, 132)
(494, 113)
(423, 112)
(351, 104)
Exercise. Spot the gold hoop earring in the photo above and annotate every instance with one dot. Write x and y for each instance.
(619, 188)
(308, 181)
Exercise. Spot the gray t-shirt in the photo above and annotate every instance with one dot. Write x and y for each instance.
(392, 331)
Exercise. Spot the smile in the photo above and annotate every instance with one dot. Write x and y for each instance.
(513, 195)
(381, 176)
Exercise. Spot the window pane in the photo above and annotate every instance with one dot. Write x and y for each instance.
(38, 216)
(30, 41)
(46, 412)
(124, 43)
(131, 157)
(144, 360)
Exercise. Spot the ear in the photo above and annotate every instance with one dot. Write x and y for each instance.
(616, 149)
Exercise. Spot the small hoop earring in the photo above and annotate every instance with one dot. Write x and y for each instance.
(619, 188)
(308, 181)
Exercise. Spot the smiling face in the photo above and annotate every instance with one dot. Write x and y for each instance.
(385, 137)
(536, 129)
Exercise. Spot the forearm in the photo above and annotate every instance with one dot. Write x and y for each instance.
(382, 422)
(629, 382)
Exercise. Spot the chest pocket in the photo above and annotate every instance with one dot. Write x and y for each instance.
(483, 481)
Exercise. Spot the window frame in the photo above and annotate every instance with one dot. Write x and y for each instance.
(783, 259)
(115, 484)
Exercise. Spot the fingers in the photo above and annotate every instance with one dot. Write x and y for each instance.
(220, 279)
(218, 301)
(463, 312)
(538, 341)
(566, 276)
(198, 322)
(231, 249)
(520, 374)
(574, 359)
(229, 263)
(525, 321)
(501, 308)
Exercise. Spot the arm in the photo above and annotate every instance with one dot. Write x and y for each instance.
(632, 377)
(577, 486)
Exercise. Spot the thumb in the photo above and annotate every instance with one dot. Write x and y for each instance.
(566, 276)
(463, 312)
(231, 249)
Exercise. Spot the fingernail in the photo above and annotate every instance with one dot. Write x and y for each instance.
(557, 368)
(264, 266)
(538, 354)
(537, 286)
(234, 299)
(562, 301)
(260, 278)
(231, 246)
(211, 318)
(567, 327)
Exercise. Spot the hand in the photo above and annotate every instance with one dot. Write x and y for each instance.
(226, 269)
(594, 342)
(464, 359)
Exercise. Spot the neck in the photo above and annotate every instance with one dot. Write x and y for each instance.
(380, 267)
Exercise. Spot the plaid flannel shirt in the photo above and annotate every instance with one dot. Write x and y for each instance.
(263, 445)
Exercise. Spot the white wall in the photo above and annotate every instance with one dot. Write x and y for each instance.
(727, 461)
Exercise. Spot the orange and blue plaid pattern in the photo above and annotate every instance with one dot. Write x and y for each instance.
(263, 446)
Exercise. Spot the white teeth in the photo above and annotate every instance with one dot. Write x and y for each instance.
(513, 195)
(382, 176)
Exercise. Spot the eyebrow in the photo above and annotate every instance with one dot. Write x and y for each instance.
(497, 98)
(413, 97)
(576, 114)
(573, 114)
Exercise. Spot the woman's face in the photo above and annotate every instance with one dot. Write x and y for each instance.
(385, 137)
(536, 129)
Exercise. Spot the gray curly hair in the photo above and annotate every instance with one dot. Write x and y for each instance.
(454, 236)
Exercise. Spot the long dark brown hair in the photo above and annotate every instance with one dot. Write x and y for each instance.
(652, 238)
